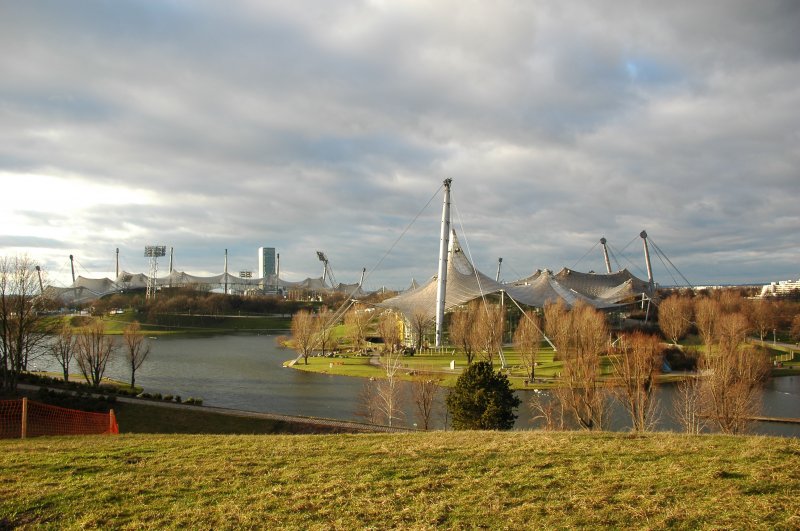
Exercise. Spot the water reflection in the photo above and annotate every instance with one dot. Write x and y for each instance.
(246, 372)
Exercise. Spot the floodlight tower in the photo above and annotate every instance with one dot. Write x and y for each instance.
(117, 276)
(153, 252)
(327, 272)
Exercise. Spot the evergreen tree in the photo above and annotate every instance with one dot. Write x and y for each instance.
(482, 399)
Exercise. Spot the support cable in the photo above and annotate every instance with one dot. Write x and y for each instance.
(657, 248)
(585, 255)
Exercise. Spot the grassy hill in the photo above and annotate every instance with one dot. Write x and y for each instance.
(417, 480)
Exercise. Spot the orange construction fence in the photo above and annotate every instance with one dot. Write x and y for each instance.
(25, 418)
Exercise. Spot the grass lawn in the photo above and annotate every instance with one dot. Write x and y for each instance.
(517, 480)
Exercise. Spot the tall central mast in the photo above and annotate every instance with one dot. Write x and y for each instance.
(444, 244)
(605, 254)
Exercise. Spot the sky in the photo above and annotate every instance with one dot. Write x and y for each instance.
(318, 125)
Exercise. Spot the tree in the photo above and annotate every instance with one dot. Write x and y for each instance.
(388, 328)
(636, 365)
(462, 330)
(581, 336)
(136, 349)
(424, 390)
(675, 317)
(687, 406)
(795, 328)
(388, 389)
(482, 399)
(325, 329)
(22, 330)
(527, 337)
(763, 317)
(304, 331)
(93, 351)
(420, 323)
(355, 323)
(557, 324)
(62, 348)
(733, 377)
(489, 329)
(706, 312)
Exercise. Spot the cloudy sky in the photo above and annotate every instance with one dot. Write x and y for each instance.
(318, 125)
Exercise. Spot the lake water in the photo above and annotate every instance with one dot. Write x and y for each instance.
(246, 372)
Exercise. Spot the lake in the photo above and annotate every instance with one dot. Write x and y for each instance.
(246, 372)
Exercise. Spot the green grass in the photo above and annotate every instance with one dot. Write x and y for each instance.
(518, 480)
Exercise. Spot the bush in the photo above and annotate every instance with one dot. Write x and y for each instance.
(178, 399)
(167, 398)
(681, 359)
(482, 399)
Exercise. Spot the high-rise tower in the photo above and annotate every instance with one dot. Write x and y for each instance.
(266, 262)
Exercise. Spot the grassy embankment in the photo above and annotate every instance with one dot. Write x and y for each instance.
(420, 480)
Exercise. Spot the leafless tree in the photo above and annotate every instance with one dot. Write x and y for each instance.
(387, 390)
(547, 410)
(355, 323)
(324, 328)
(687, 404)
(389, 329)
(22, 330)
(489, 329)
(557, 323)
(424, 389)
(462, 330)
(706, 313)
(733, 377)
(93, 351)
(62, 348)
(583, 335)
(367, 404)
(136, 348)
(636, 364)
(304, 332)
(527, 338)
(762, 316)
(420, 324)
(675, 317)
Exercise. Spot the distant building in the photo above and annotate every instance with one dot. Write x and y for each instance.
(266, 262)
(782, 287)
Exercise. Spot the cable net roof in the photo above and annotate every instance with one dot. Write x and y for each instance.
(89, 289)
(465, 283)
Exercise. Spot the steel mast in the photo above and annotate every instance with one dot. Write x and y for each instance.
(605, 254)
(441, 279)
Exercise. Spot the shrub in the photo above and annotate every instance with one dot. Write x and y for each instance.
(482, 399)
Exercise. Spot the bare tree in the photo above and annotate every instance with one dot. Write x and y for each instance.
(325, 329)
(387, 390)
(557, 323)
(583, 335)
(636, 366)
(547, 410)
(304, 331)
(489, 328)
(675, 317)
(389, 329)
(733, 377)
(462, 330)
(355, 323)
(420, 324)
(527, 338)
(763, 316)
(22, 330)
(706, 313)
(367, 404)
(136, 349)
(62, 348)
(687, 404)
(424, 390)
(93, 351)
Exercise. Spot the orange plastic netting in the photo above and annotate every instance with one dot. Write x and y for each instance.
(43, 419)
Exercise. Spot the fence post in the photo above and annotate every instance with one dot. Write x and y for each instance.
(24, 417)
